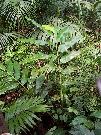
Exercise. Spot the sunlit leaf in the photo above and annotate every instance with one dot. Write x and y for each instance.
(2, 73)
(70, 56)
(35, 57)
(63, 33)
(48, 27)
(70, 109)
(2, 67)
(63, 47)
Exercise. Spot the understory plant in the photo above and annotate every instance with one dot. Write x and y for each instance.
(35, 73)
(51, 65)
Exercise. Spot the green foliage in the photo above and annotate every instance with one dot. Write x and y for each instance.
(20, 114)
(81, 130)
(57, 60)
(54, 131)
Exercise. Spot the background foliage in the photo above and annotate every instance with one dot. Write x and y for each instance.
(49, 62)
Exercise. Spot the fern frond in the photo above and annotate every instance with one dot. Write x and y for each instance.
(7, 39)
(22, 113)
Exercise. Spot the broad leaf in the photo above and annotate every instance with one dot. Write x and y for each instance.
(24, 77)
(48, 27)
(9, 67)
(70, 56)
(2, 67)
(35, 57)
(63, 47)
(39, 82)
(96, 114)
(7, 87)
(16, 70)
(62, 32)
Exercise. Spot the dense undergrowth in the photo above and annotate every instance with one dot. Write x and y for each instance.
(49, 62)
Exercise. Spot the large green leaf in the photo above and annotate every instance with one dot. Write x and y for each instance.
(35, 57)
(39, 82)
(41, 42)
(16, 70)
(7, 87)
(2, 67)
(9, 67)
(63, 47)
(70, 56)
(24, 77)
(63, 33)
(96, 114)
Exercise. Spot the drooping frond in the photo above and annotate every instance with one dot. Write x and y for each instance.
(21, 114)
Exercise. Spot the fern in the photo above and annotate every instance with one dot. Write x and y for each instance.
(21, 114)
(7, 39)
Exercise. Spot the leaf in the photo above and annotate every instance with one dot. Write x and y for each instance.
(63, 33)
(79, 119)
(2, 73)
(35, 57)
(51, 131)
(41, 42)
(9, 67)
(24, 77)
(2, 67)
(13, 2)
(70, 56)
(96, 114)
(74, 89)
(63, 47)
(29, 40)
(21, 113)
(16, 70)
(81, 130)
(97, 130)
(88, 5)
(69, 70)
(60, 131)
(34, 22)
(48, 27)
(39, 82)
(70, 109)
(7, 87)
